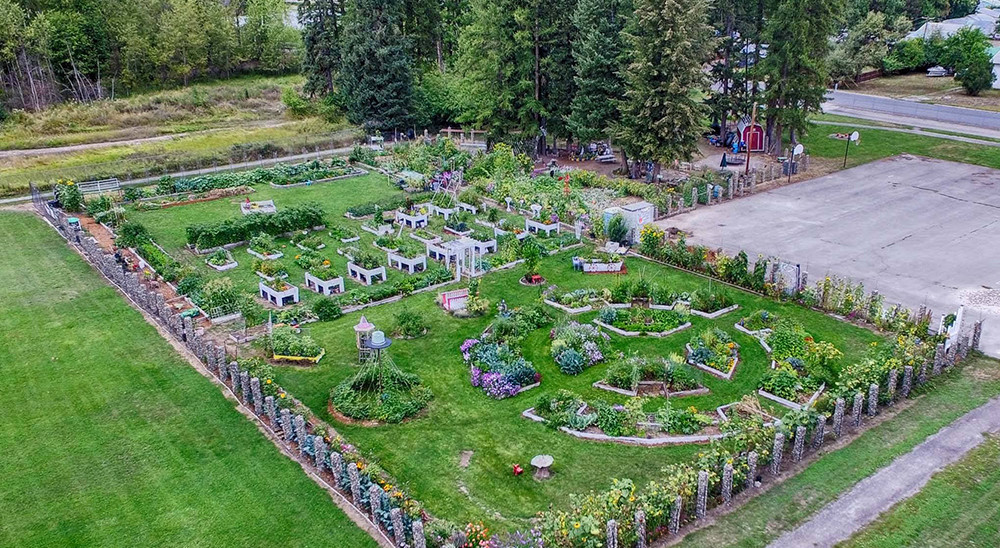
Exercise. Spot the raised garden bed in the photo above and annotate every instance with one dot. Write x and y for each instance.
(714, 352)
(268, 257)
(716, 314)
(531, 225)
(425, 237)
(221, 261)
(280, 294)
(265, 207)
(381, 230)
(412, 265)
(367, 276)
(639, 376)
(411, 220)
(628, 321)
(323, 286)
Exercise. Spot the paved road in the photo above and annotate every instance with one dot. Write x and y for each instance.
(229, 167)
(898, 481)
(920, 231)
(983, 123)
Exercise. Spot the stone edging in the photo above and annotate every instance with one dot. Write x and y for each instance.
(714, 372)
(659, 334)
(568, 310)
(635, 393)
(716, 314)
(627, 440)
(354, 173)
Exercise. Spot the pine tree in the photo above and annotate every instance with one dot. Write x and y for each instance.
(795, 70)
(320, 20)
(598, 56)
(664, 111)
(376, 81)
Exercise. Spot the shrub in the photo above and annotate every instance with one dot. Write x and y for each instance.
(132, 234)
(242, 228)
(570, 362)
(326, 310)
(608, 315)
(69, 195)
(617, 230)
(285, 342)
(218, 293)
(787, 340)
(710, 301)
(380, 391)
(410, 324)
(781, 382)
(367, 260)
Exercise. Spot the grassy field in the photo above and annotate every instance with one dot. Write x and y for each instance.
(877, 144)
(424, 453)
(790, 503)
(111, 439)
(159, 132)
(959, 507)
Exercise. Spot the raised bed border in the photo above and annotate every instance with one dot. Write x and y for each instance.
(568, 310)
(628, 440)
(263, 257)
(659, 334)
(355, 172)
(718, 313)
(228, 266)
(318, 284)
(679, 394)
(709, 370)
(790, 404)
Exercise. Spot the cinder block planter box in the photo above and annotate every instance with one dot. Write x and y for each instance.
(454, 232)
(445, 212)
(485, 247)
(287, 297)
(263, 257)
(710, 370)
(440, 253)
(228, 266)
(407, 264)
(410, 220)
(535, 226)
(366, 276)
(270, 278)
(716, 314)
(790, 404)
(325, 287)
(624, 333)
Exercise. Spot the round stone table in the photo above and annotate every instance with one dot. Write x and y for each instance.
(542, 465)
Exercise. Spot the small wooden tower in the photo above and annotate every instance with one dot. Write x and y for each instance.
(362, 333)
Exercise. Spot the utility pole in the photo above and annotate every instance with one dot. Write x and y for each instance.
(753, 122)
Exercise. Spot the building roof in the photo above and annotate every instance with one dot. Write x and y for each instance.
(985, 20)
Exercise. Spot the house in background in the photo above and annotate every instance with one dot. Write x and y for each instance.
(995, 57)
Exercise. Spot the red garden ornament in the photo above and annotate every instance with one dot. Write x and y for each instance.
(518, 470)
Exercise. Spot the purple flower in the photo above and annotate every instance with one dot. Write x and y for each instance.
(477, 376)
(498, 386)
(466, 346)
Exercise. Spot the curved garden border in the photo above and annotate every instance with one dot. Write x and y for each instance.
(666, 394)
(628, 440)
(659, 334)
(714, 372)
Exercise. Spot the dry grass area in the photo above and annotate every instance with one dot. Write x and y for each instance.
(941, 91)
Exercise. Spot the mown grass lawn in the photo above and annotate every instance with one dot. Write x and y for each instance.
(792, 502)
(877, 144)
(110, 439)
(960, 506)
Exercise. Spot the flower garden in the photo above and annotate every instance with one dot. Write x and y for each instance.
(605, 373)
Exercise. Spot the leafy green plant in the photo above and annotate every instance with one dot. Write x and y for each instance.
(410, 324)
(617, 230)
(285, 342)
(326, 310)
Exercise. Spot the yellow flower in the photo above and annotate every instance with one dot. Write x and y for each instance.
(387, 488)
(268, 381)
(282, 395)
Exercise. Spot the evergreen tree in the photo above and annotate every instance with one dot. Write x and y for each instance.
(320, 20)
(664, 111)
(376, 80)
(795, 69)
(598, 55)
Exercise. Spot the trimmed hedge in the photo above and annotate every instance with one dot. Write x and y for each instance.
(238, 229)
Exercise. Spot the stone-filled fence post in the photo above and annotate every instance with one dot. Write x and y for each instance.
(776, 453)
(419, 540)
(939, 358)
(675, 516)
(611, 534)
(245, 386)
(977, 334)
(375, 501)
(300, 433)
(838, 417)
(397, 526)
(286, 426)
(701, 504)
(904, 391)
(640, 529)
(234, 376)
(872, 399)
(272, 411)
(891, 387)
(922, 377)
(727, 483)
(856, 410)
(336, 467)
(352, 476)
(258, 397)
(819, 433)
(319, 452)
(800, 443)
(752, 469)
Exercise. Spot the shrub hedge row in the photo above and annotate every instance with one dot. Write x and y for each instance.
(238, 229)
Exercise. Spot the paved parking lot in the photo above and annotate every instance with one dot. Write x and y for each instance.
(920, 231)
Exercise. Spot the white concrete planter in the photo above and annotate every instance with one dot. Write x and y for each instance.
(228, 266)
(661, 306)
(411, 221)
(457, 232)
(760, 333)
(270, 278)
(468, 207)
(535, 226)
(226, 319)
(440, 253)
(485, 247)
(445, 212)
(349, 240)
(423, 240)
(365, 276)
(304, 248)
(325, 287)
(407, 264)
(263, 257)
(619, 306)
(278, 298)
(716, 314)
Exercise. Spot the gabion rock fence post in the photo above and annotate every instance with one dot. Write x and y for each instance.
(727, 483)
(872, 400)
(859, 402)
(776, 452)
(838, 417)
(702, 502)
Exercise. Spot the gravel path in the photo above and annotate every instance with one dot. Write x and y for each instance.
(898, 481)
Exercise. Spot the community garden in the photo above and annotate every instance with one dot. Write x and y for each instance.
(340, 283)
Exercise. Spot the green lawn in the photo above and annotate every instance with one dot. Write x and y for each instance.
(960, 506)
(790, 503)
(111, 439)
(877, 144)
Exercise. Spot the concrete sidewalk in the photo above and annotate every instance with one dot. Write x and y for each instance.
(898, 481)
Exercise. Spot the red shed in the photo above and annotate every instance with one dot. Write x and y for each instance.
(751, 134)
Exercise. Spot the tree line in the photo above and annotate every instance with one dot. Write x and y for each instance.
(82, 50)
